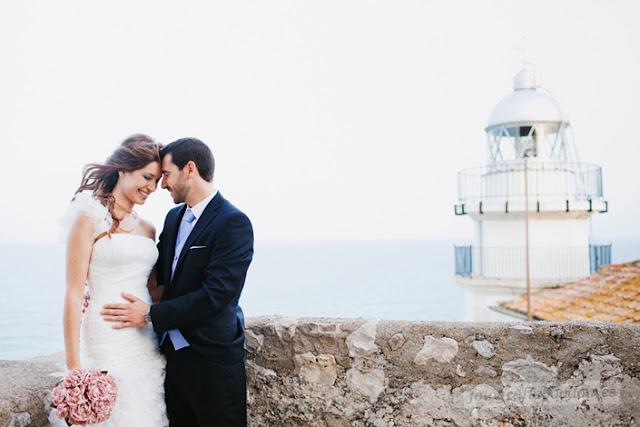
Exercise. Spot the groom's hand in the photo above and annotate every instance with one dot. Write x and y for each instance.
(129, 315)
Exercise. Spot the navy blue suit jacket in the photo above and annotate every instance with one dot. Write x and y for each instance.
(202, 298)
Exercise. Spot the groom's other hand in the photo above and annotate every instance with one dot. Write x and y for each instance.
(129, 315)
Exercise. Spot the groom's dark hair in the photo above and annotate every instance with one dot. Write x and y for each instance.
(185, 149)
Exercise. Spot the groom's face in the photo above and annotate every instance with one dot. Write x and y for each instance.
(174, 180)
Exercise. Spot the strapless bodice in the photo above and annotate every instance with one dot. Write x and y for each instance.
(121, 263)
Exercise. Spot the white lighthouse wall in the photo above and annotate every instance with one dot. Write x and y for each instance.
(479, 299)
(559, 247)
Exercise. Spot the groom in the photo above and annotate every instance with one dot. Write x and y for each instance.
(205, 250)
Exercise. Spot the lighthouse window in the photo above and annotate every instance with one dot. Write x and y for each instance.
(527, 131)
(526, 142)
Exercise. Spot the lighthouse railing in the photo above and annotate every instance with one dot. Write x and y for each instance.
(599, 255)
(504, 181)
(463, 256)
(548, 264)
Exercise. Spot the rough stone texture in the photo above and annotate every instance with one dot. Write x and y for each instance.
(396, 342)
(441, 350)
(361, 342)
(485, 370)
(523, 329)
(353, 372)
(368, 384)
(394, 373)
(484, 348)
(24, 390)
(319, 369)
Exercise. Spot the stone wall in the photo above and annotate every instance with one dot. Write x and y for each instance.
(25, 387)
(334, 372)
(329, 372)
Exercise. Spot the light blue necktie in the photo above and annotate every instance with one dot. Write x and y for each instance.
(183, 232)
(186, 225)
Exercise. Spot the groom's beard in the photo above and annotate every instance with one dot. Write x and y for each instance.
(177, 198)
(178, 193)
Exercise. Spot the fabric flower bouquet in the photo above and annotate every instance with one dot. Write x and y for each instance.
(85, 396)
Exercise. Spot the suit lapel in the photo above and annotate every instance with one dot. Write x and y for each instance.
(171, 242)
(208, 215)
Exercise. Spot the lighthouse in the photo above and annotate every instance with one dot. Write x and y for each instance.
(531, 204)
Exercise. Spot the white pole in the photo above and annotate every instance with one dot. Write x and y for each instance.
(526, 235)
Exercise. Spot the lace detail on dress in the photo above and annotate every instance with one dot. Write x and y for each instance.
(85, 203)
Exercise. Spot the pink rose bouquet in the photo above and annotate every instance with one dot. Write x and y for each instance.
(85, 397)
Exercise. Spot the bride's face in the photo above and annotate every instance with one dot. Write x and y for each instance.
(139, 184)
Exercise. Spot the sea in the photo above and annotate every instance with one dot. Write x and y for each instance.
(389, 279)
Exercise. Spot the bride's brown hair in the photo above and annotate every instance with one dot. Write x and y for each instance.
(135, 152)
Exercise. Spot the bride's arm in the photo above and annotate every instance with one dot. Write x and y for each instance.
(155, 290)
(79, 247)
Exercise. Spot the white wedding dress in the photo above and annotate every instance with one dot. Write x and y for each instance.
(121, 263)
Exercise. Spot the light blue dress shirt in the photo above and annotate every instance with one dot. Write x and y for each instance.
(189, 220)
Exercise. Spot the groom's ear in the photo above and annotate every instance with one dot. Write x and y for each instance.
(191, 168)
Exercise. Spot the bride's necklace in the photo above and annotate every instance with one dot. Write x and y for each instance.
(129, 219)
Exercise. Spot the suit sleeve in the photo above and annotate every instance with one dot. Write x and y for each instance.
(224, 278)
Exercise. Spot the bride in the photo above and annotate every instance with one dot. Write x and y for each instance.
(113, 250)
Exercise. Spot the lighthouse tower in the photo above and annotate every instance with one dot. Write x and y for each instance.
(533, 189)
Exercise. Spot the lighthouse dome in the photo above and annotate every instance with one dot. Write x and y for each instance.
(526, 104)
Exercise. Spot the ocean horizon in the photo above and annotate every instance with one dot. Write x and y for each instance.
(387, 279)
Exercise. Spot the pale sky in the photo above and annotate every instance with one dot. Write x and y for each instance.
(328, 119)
